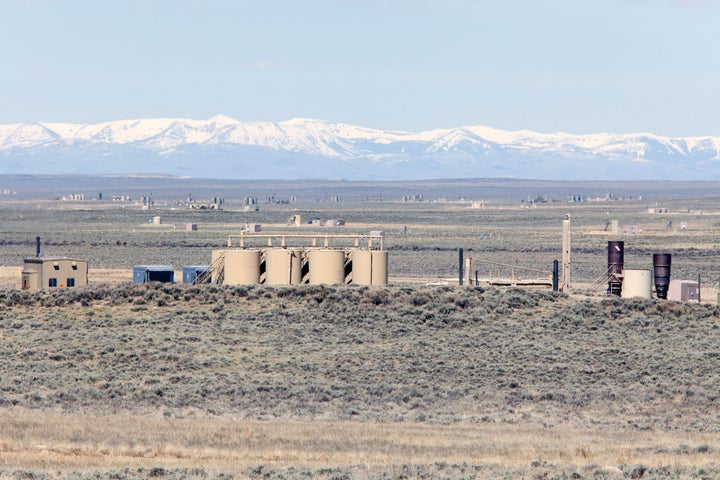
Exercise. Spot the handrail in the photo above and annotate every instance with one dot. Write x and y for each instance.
(598, 282)
(372, 238)
(520, 267)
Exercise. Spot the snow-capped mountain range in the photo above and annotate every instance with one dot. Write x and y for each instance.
(222, 147)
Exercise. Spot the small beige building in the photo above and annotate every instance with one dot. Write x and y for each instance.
(684, 291)
(54, 272)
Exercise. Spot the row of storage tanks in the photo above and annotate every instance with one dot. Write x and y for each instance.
(295, 266)
(638, 283)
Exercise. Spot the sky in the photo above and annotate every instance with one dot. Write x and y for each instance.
(576, 66)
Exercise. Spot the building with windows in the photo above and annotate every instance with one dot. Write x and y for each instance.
(54, 272)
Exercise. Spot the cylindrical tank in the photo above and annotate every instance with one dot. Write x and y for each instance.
(637, 283)
(156, 220)
(283, 267)
(661, 270)
(616, 261)
(370, 267)
(326, 266)
(242, 267)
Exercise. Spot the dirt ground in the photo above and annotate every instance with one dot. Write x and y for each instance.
(10, 277)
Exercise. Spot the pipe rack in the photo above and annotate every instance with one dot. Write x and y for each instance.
(373, 239)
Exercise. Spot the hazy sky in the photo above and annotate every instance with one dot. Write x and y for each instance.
(579, 66)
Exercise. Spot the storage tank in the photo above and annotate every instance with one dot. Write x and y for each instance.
(242, 267)
(614, 226)
(283, 267)
(31, 279)
(326, 266)
(661, 269)
(616, 261)
(370, 267)
(637, 283)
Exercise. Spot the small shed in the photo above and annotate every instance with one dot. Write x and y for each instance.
(54, 272)
(193, 273)
(253, 227)
(153, 273)
(191, 227)
(684, 291)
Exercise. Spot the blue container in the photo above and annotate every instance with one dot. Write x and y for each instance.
(153, 273)
(192, 272)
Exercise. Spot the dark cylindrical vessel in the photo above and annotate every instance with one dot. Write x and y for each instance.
(460, 266)
(37, 246)
(616, 262)
(555, 275)
(661, 271)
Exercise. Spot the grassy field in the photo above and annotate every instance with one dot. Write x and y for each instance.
(152, 446)
(412, 381)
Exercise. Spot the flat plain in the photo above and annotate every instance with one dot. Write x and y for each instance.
(422, 379)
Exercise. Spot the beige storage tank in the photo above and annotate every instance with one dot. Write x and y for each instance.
(283, 267)
(326, 266)
(370, 267)
(637, 283)
(242, 267)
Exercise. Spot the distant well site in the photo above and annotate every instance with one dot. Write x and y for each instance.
(621, 238)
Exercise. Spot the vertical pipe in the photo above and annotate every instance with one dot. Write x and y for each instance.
(661, 271)
(371, 269)
(566, 254)
(698, 288)
(555, 274)
(616, 263)
(460, 266)
(37, 246)
(477, 279)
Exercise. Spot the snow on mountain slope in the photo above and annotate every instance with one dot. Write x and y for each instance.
(27, 134)
(166, 145)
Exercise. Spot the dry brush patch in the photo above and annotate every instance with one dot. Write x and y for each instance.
(434, 360)
(401, 354)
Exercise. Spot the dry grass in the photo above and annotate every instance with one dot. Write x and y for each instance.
(64, 441)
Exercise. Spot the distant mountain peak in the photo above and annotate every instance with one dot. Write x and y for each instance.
(221, 119)
(309, 148)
